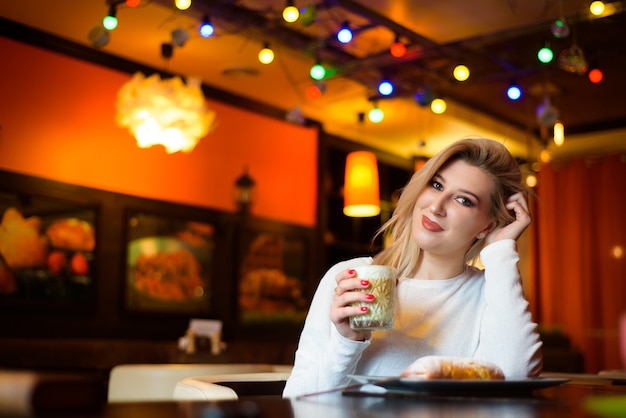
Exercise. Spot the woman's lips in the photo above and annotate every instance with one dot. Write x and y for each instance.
(430, 225)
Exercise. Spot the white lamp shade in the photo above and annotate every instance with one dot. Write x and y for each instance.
(361, 187)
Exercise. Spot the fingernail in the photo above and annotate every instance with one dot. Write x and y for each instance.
(363, 308)
(369, 296)
(365, 282)
(351, 271)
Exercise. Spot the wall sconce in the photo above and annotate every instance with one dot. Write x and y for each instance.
(244, 191)
(361, 188)
(164, 112)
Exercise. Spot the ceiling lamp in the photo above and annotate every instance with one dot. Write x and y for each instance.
(344, 35)
(164, 112)
(361, 186)
(573, 60)
(179, 37)
(547, 114)
(99, 36)
(559, 133)
(206, 28)
(316, 90)
(423, 96)
(266, 55)
(290, 12)
(560, 28)
(397, 48)
(461, 72)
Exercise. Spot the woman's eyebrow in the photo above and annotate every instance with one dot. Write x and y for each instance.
(441, 179)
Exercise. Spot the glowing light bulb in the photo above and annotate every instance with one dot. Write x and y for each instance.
(385, 87)
(559, 133)
(595, 75)
(596, 8)
(266, 55)
(376, 115)
(133, 3)
(317, 72)
(290, 13)
(397, 49)
(345, 34)
(438, 106)
(514, 92)
(461, 73)
(206, 28)
(545, 54)
(183, 4)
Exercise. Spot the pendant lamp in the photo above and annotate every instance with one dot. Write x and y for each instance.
(361, 189)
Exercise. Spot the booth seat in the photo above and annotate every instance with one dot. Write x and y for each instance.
(156, 382)
(231, 386)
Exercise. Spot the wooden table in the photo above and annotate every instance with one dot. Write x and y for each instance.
(568, 400)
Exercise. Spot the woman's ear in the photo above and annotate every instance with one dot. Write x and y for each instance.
(487, 230)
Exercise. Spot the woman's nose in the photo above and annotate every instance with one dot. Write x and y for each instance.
(437, 207)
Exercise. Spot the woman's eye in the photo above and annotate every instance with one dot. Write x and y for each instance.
(464, 201)
(437, 185)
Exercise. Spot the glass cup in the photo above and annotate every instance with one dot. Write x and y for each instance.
(380, 311)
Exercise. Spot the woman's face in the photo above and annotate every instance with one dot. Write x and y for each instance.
(453, 210)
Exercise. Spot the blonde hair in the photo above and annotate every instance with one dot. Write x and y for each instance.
(490, 156)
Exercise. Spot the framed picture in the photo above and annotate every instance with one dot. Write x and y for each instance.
(169, 263)
(274, 273)
(47, 251)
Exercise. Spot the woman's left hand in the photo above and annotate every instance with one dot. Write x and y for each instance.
(519, 205)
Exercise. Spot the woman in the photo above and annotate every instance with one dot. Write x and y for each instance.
(466, 201)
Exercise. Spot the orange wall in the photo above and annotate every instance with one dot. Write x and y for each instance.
(57, 121)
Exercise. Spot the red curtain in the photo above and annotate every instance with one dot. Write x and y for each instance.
(580, 264)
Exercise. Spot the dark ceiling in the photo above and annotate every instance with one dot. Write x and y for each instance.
(496, 39)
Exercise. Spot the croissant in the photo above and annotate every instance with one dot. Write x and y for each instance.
(437, 367)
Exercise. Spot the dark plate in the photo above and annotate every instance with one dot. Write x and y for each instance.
(417, 385)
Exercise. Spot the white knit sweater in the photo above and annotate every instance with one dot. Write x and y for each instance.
(480, 313)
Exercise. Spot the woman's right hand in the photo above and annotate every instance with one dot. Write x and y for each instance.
(340, 309)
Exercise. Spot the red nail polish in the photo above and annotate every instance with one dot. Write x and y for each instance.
(351, 271)
(365, 282)
(369, 296)
(363, 308)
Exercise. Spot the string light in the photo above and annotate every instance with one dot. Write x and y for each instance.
(545, 54)
(183, 4)
(438, 106)
(345, 33)
(514, 92)
(397, 48)
(266, 55)
(461, 72)
(376, 115)
(206, 28)
(290, 12)
(595, 75)
(317, 71)
(110, 20)
(385, 87)
(596, 8)
(132, 3)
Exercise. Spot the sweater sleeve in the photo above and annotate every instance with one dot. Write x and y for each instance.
(324, 357)
(508, 337)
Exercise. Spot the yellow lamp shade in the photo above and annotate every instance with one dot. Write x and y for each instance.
(361, 189)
